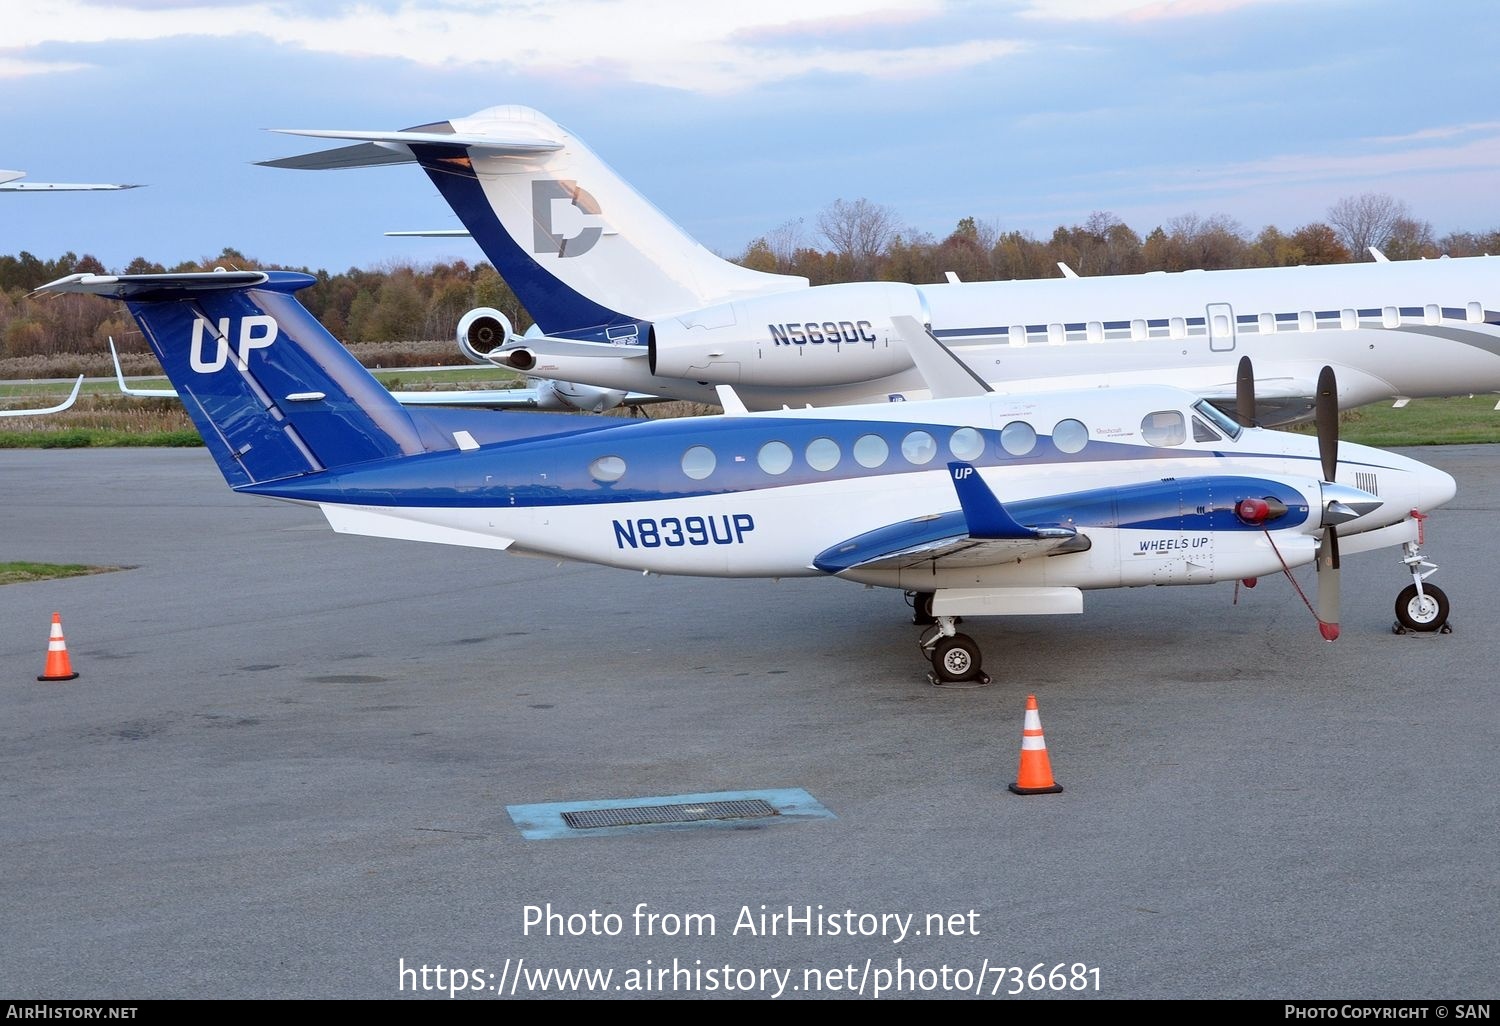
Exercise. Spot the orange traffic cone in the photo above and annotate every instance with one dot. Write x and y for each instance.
(1035, 775)
(58, 667)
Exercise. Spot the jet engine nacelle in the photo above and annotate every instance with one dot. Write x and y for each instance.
(573, 397)
(826, 335)
(481, 331)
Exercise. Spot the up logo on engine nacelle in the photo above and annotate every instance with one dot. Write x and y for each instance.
(255, 332)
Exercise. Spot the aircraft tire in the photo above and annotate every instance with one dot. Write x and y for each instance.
(956, 658)
(1428, 613)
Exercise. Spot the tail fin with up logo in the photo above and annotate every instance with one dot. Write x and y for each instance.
(274, 395)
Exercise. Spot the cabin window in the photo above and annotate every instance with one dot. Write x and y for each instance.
(966, 444)
(1070, 436)
(1474, 313)
(607, 468)
(1095, 331)
(870, 451)
(1432, 314)
(1018, 438)
(1266, 323)
(1056, 334)
(1138, 330)
(774, 457)
(919, 447)
(698, 462)
(823, 454)
(1307, 321)
(1177, 327)
(1348, 319)
(1018, 336)
(1390, 317)
(1164, 427)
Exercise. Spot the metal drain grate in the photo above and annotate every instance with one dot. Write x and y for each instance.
(696, 812)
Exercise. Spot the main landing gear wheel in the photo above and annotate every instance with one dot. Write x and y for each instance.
(956, 659)
(1422, 613)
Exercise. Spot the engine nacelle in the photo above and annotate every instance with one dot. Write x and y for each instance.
(481, 331)
(827, 335)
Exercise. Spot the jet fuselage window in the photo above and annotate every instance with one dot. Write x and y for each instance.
(1307, 321)
(1474, 313)
(1018, 438)
(1390, 317)
(1056, 334)
(823, 454)
(966, 444)
(607, 468)
(1138, 330)
(1018, 335)
(919, 447)
(1267, 323)
(774, 457)
(871, 451)
(1431, 314)
(1164, 427)
(1178, 327)
(1070, 436)
(1348, 319)
(698, 462)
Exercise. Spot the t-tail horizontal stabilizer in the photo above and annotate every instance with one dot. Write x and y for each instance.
(274, 395)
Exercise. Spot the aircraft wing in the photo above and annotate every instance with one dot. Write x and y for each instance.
(48, 409)
(9, 183)
(980, 533)
(434, 233)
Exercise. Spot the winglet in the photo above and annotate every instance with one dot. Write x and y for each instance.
(146, 393)
(730, 400)
(946, 375)
(986, 516)
(48, 409)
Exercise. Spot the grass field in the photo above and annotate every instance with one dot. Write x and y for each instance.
(103, 417)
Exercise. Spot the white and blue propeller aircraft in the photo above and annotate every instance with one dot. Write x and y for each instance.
(625, 299)
(972, 503)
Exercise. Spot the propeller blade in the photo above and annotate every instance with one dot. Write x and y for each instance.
(1326, 419)
(1244, 394)
(1328, 584)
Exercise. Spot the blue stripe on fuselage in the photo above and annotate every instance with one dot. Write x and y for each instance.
(550, 469)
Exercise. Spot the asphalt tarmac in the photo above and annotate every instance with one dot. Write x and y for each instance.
(299, 765)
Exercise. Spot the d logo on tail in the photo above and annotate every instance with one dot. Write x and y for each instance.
(544, 238)
(249, 339)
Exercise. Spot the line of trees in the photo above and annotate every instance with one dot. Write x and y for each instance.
(850, 241)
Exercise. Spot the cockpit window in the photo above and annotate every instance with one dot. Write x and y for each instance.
(1218, 418)
(1164, 427)
(1203, 433)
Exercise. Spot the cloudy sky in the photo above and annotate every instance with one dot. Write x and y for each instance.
(738, 118)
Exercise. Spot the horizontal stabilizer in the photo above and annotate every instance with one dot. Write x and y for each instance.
(376, 148)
